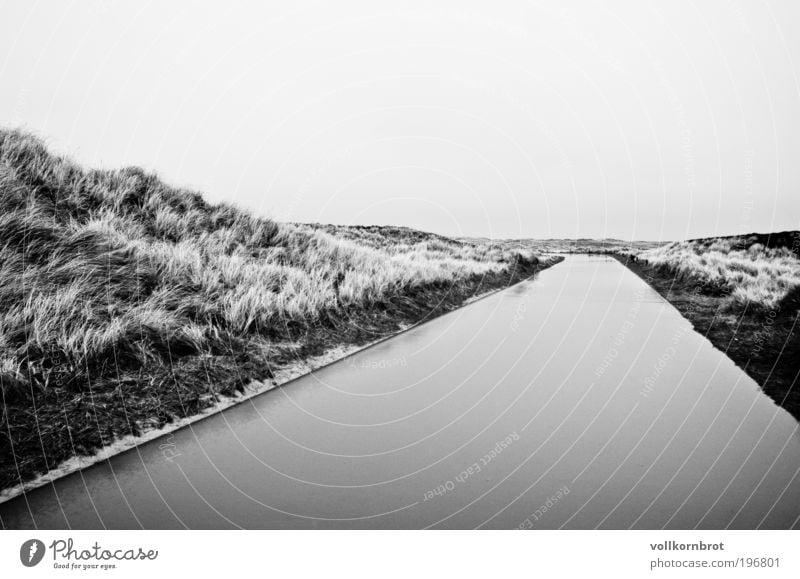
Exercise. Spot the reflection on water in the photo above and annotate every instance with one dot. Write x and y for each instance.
(578, 400)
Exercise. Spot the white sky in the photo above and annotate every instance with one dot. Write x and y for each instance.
(648, 120)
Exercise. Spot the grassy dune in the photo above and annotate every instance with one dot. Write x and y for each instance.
(743, 293)
(126, 303)
(756, 271)
(592, 246)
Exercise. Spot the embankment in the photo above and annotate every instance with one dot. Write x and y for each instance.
(128, 306)
(764, 342)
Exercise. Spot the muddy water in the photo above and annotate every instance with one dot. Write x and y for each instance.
(579, 399)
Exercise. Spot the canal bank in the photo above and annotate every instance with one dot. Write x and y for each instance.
(362, 443)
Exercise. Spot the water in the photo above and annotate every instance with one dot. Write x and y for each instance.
(580, 399)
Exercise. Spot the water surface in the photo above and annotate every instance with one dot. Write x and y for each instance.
(579, 399)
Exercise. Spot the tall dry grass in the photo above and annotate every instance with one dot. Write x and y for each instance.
(744, 269)
(102, 270)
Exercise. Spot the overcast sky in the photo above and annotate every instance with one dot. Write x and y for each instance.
(646, 120)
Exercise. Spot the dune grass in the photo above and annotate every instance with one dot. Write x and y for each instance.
(745, 270)
(743, 294)
(586, 246)
(125, 303)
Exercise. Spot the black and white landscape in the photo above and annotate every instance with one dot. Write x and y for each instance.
(358, 265)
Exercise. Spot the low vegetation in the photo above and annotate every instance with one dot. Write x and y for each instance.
(743, 294)
(126, 303)
(744, 269)
(606, 246)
